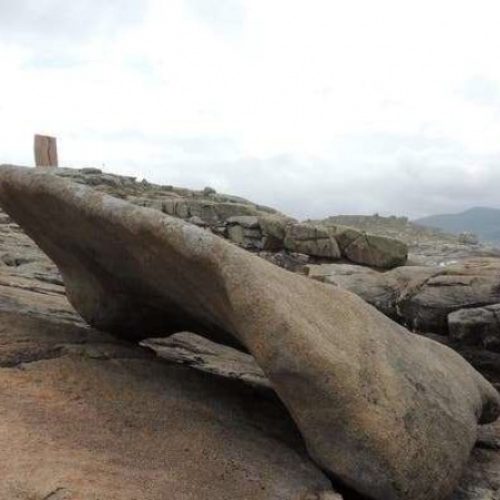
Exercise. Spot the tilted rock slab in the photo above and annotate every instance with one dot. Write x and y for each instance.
(391, 414)
(198, 352)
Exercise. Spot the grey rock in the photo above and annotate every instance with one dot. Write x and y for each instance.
(295, 262)
(344, 235)
(89, 170)
(377, 251)
(481, 480)
(368, 249)
(198, 221)
(244, 230)
(421, 297)
(468, 239)
(475, 326)
(244, 236)
(247, 221)
(467, 284)
(207, 356)
(274, 228)
(311, 240)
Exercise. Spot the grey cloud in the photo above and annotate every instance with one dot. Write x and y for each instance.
(415, 176)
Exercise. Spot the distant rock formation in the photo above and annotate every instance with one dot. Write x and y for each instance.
(253, 227)
(391, 414)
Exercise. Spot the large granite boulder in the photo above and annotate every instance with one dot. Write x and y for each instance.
(389, 413)
(368, 249)
(377, 251)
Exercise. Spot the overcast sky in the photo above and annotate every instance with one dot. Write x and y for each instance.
(315, 107)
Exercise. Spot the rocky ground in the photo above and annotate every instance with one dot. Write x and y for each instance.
(85, 415)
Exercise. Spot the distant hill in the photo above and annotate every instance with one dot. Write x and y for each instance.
(482, 221)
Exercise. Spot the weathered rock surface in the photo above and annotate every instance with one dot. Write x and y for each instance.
(87, 416)
(377, 251)
(481, 479)
(207, 356)
(311, 240)
(421, 297)
(368, 249)
(390, 413)
(113, 426)
(476, 326)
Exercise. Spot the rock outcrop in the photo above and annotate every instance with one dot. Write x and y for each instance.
(391, 414)
(420, 297)
(254, 227)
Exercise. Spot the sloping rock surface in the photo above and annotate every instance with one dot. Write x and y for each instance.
(372, 401)
(87, 416)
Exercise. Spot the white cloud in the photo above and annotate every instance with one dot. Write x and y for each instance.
(317, 107)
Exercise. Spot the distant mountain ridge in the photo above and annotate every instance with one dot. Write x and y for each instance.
(482, 221)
